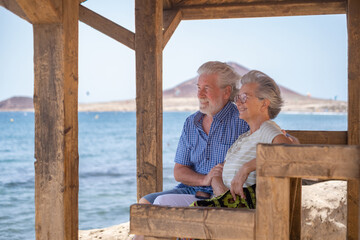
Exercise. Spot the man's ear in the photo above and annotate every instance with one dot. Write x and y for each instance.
(228, 90)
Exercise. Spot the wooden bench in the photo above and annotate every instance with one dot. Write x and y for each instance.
(277, 214)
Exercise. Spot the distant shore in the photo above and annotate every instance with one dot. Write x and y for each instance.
(191, 105)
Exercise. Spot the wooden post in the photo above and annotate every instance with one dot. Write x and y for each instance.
(56, 125)
(295, 208)
(353, 21)
(272, 208)
(272, 203)
(148, 48)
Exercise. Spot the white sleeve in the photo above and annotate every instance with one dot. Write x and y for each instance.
(269, 130)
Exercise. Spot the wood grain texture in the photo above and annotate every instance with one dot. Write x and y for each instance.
(56, 126)
(309, 161)
(353, 191)
(171, 4)
(295, 208)
(202, 223)
(263, 9)
(41, 11)
(13, 7)
(272, 207)
(320, 137)
(107, 27)
(171, 20)
(148, 51)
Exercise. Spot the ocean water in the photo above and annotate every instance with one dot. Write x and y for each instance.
(107, 170)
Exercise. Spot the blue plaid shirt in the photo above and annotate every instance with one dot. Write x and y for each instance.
(202, 152)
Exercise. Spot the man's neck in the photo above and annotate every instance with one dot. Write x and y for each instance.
(206, 123)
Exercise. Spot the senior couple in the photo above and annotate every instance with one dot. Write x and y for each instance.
(217, 148)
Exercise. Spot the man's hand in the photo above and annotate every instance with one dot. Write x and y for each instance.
(294, 140)
(216, 171)
(218, 186)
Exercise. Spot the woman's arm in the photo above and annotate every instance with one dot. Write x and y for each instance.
(240, 178)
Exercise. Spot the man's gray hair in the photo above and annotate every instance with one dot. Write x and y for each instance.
(227, 76)
(267, 89)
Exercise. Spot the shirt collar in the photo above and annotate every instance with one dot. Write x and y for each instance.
(224, 112)
(219, 116)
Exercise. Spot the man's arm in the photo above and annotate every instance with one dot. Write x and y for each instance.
(186, 175)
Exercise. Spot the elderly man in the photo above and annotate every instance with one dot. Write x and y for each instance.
(207, 134)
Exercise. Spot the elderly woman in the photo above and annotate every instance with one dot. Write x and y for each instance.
(258, 101)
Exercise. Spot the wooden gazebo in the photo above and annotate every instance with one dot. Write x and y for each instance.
(55, 25)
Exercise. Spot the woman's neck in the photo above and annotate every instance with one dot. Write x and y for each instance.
(256, 123)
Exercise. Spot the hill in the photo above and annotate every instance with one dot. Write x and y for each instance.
(183, 98)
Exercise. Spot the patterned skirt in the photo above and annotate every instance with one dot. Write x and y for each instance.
(226, 200)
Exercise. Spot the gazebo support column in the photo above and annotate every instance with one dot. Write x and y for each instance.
(148, 48)
(353, 21)
(56, 125)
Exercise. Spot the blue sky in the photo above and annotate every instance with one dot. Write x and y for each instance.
(307, 54)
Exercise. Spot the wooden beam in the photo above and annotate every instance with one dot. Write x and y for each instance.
(192, 222)
(41, 11)
(264, 9)
(107, 27)
(171, 20)
(309, 161)
(56, 126)
(320, 137)
(13, 7)
(353, 186)
(148, 49)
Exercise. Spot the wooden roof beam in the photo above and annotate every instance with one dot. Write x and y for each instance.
(41, 11)
(13, 7)
(264, 9)
(171, 20)
(107, 27)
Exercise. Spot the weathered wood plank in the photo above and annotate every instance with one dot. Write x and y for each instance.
(353, 191)
(41, 11)
(320, 137)
(263, 9)
(107, 27)
(203, 223)
(295, 208)
(148, 49)
(272, 207)
(13, 7)
(171, 20)
(56, 126)
(307, 161)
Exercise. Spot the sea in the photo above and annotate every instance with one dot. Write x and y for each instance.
(107, 164)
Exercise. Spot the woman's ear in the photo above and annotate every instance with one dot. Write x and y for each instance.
(266, 104)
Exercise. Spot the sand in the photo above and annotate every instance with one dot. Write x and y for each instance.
(323, 215)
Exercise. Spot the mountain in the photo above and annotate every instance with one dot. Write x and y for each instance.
(17, 104)
(189, 89)
(183, 98)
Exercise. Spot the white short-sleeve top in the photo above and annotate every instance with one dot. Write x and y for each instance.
(243, 150)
